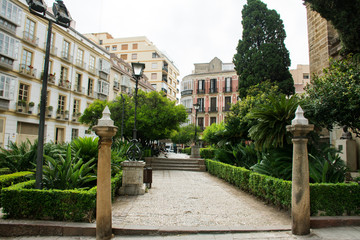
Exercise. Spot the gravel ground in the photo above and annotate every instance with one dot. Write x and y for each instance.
(181, 198)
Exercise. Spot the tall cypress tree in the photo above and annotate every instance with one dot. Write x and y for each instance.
(261, 53)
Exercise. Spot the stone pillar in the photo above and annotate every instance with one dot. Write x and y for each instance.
(133, 178)
(105, 130)
(195, 151)
(300, 201)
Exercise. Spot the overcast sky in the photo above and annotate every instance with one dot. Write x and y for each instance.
(188, 31)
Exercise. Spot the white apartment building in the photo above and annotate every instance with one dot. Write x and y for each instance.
(78, 74)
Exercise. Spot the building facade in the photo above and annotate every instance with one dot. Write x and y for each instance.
(214, 86)
(159, 69)
(301, 77)
(79, 73)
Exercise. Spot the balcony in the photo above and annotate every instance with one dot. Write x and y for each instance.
(212, 109)
(165, 69)
(164, 90)
(116, 86)
(62, 115)
(6, 62)
(226, 109)
(65, 84)
(75, 117)
(186, 93)
(227, 89)
(164, 79)
(66, 56)
(28, 71)
(8, 25)
(91, 94)
(189, 110)
(79, 89)
(213, 90)
(80, 63)
(4, 103)
(30, 38)
(201, 110)
(200, 91)
(51, 78)
(53, 50)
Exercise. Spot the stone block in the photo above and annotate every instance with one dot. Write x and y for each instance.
(348, 152)
(133, 178)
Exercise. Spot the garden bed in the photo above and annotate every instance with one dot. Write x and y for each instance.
(22, 201)
(326, 199)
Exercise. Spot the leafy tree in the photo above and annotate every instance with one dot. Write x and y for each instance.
(344, 16)
(185, 134)
(334, 98)
(261, 53)
(214, 133)
(157, 116)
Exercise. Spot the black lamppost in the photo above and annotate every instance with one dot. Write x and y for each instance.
(122, 116)
(134, 152)
(62, 18)
(196, 107)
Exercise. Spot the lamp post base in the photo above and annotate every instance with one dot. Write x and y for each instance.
(195, 151)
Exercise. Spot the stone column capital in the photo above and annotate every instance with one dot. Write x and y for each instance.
(300, 130)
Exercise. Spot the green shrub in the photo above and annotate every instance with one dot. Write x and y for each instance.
(207, 153)
(325, 198)
(21, 201)
(13, 178)
(187, 150)
(4, 171)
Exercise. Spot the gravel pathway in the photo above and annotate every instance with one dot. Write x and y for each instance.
(196, 199)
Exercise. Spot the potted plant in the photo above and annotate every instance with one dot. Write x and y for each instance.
(31, 107)
(58, 113)
(19, 106)
(50, 109)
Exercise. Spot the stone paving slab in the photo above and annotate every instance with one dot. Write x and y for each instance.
(194, 199)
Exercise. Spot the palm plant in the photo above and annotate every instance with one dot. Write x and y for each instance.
(88, 147)
(118, 154)
(272, 118)
(67, 172)
(19, 157)
(245, 155)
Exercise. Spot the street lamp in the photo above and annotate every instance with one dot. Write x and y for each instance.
(122, 116)
(196, 107)
(134, 152)
(62, 18)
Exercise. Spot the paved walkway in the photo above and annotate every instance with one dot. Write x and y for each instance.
(194, 199)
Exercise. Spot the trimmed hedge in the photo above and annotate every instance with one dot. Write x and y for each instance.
(187, 150)
(325, 199)
(13, 178)
(22, 201)
(207, 153)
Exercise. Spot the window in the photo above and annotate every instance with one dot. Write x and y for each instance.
(52, 42)
(114, 47)
(66, 49)
(201, 86)
(227, 103)
(228, 84)
(23, 92)
(123, 56)
(76, 106)
(154, 85)
(155, 55)
(26, 60)
(80, 55)
(11, 12)
(212, 120)
(200, 101)
(8, 45)
(61, 104)
(64, 74)
(74, 133)
(134, 56)
(201, 122)
(306, 76)
(135, 46)
(154, 65)
(90, 87)
(103, 87)
(124, 47)
(100, 42)
(213, 104)
(77, 86)
(5, 82)
(213, 86)
(186, 85)
(107, 48)
(29, 32)
(153, 76)
(92, 63)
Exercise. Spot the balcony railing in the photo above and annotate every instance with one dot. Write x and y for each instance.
(213, 90)
(164, 90)
(80, 63)
(79, 89)
(92, 69)
(66, 56)
(26, 70)
(91, 94)
(165, 69)
(8, 25)
(201, 110)
(227, 89)
(226, 109)
(53, 50)
(51, 77)
(116, 85)
(6, 62)
(164, 79)
(30, 38)
(186, 92)
(200, 91)
(65, 84)
(189, 110)
(212, 109)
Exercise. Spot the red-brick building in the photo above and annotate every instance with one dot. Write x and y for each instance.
(214, 86)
